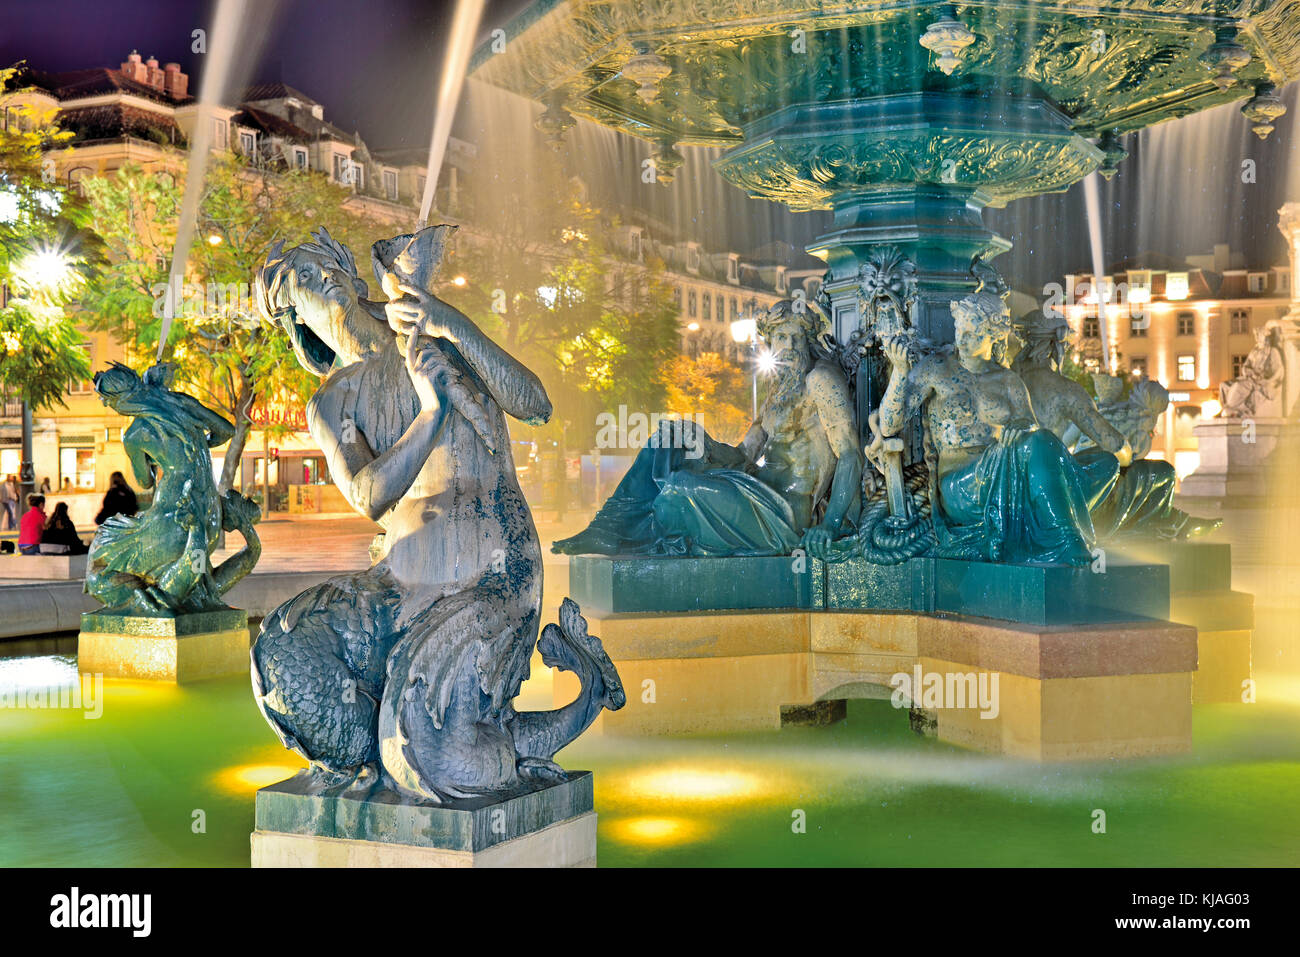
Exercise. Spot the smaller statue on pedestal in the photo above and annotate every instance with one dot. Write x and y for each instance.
(1257, 391)
(155, 564)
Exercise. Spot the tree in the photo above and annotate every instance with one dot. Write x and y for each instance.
(224, 354)
(713, 387)
(43, 261)
(539, 278)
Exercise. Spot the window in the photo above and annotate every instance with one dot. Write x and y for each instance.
(677, 297)
(75, 176)
(1091, 364)
(733, 269)
(692, 307)
(390, 184)
(341, 165)
(77, 466)
(85, 386)
(1240, 321)
(219, 133)
(780, 280)
(1176, 286)
(1138, 366)
(735, 308)
(1187, 368)
(1257, 281)
(634, 246)
(1186, 324)
(247, 142)
(1238, 363)
(299, 157)
(1283, 280)
(692, 259)
(708, 306)
(1138, 325)
(1091, 328)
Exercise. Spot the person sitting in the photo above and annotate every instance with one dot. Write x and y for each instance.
(59, 536)
(32, 525)
(118, 500)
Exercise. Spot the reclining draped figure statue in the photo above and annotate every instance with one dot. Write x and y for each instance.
(1128, 494)
(403, 675)
(155, 564)
(793, 480)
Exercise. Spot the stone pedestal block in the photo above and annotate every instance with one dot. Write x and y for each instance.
(300, 823)
(181, 649)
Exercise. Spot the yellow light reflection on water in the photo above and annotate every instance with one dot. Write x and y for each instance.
(655, 830)
(249, 777)
(693, 783)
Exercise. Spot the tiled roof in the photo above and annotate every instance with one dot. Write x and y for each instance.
(77, 84)
(113, 120)
(270, 123)
(275, 91)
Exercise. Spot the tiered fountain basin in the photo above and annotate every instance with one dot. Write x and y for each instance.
(839, 106)
(1088, 664)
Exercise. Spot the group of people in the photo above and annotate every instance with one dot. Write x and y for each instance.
(55, 533)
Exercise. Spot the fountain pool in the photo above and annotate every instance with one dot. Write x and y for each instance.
(127, 789)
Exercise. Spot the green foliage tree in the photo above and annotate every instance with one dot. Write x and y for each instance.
(539, 277)
(224, 354)
(43, 261)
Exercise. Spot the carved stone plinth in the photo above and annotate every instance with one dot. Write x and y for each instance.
(1063, 692)
(1237, 459)
(300, 824)
(181, 649)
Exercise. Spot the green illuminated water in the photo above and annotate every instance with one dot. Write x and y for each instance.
(126, 789)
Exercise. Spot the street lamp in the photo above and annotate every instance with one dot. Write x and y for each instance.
(43, 271)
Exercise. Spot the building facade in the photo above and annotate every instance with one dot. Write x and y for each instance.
(142, 114)
(1188, 326)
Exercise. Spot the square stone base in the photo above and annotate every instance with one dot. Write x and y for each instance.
(303, 823)
(570, 843)
(181, 649)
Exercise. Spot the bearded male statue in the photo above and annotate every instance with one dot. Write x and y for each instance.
(792, 481)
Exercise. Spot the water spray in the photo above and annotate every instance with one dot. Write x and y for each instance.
(216, 76)
(460, 44)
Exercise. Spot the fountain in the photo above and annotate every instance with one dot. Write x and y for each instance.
(905, 121)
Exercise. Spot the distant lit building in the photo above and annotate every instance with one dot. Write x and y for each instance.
(1187, 325)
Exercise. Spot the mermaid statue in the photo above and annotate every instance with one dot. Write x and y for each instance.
(402, 677)
(157, 563)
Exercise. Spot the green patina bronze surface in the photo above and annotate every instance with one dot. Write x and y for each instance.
(734, 65)
(156, 564)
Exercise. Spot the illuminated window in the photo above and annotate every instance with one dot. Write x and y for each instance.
(1238, 362)
(1091, 328)
(1176, 285)
(85, 386)
(1138, 325)
(1186, 324)
(77, 467)
(1138, 366)
(1240, 321)
(692, 306)
(1187, 368)
(300, 158)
